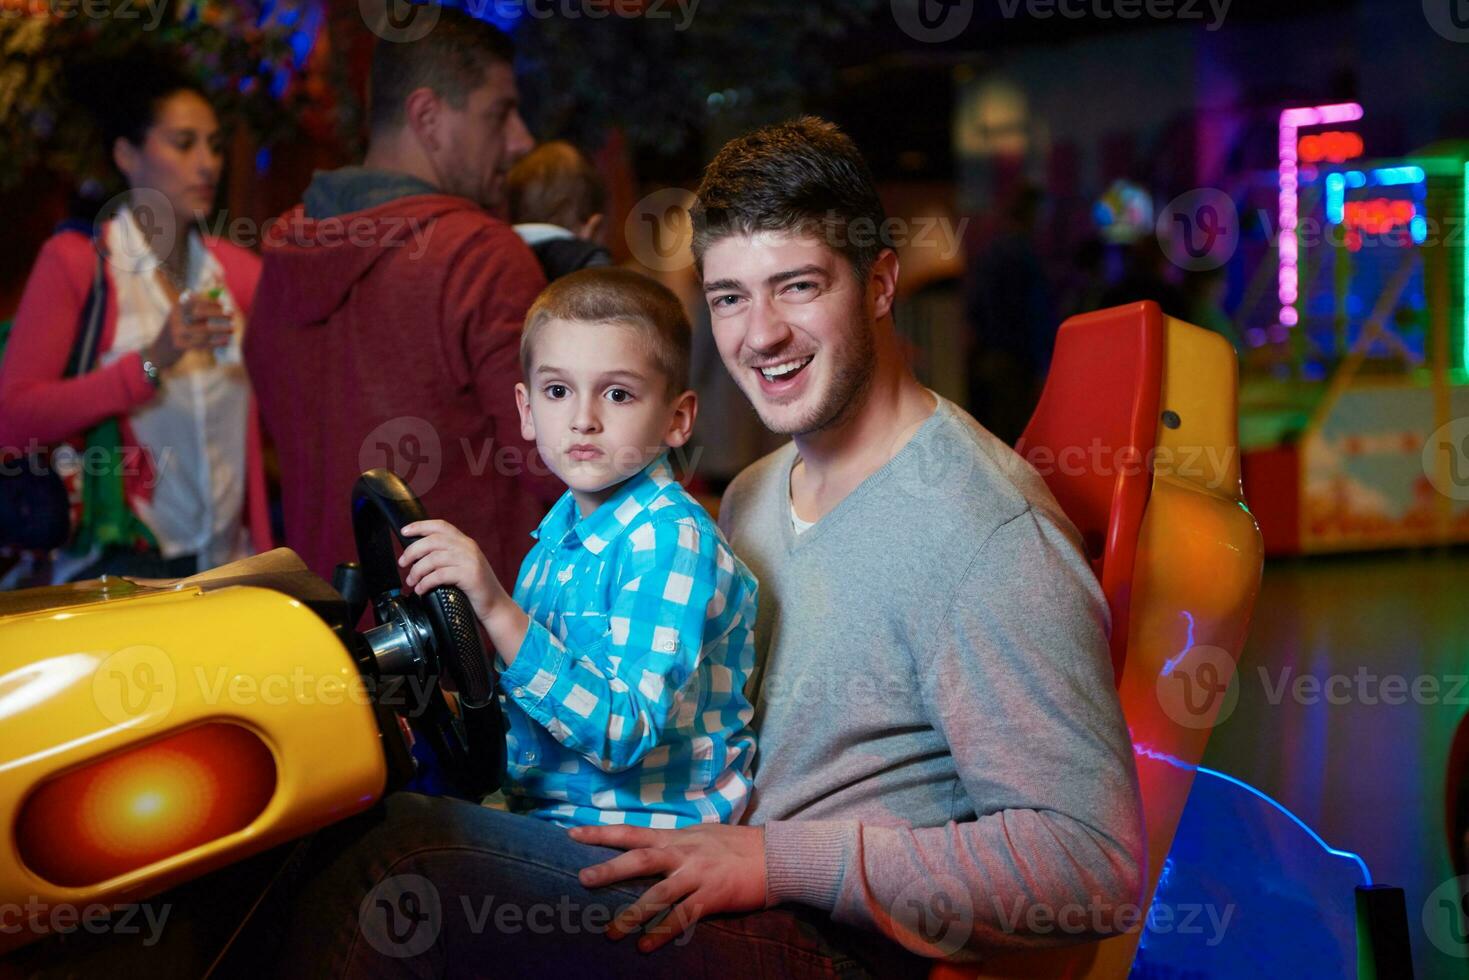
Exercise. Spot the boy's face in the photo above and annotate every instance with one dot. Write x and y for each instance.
(597, 406)
(793, 325)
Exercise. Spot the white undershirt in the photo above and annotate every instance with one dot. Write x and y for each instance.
(798, 525)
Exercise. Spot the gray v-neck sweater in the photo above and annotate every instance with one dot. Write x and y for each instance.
(940, 741)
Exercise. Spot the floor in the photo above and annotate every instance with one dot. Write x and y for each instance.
(1366, 774)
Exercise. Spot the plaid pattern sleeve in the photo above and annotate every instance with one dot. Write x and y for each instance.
(634, 666)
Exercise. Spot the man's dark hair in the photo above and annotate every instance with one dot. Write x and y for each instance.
(805, 176)
(452, 59)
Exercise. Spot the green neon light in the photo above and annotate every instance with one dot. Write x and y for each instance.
(1464, 273)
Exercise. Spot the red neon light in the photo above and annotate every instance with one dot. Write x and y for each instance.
(1333, 147)
(1378, 215)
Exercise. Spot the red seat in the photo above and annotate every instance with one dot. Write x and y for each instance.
(1136, 435)
(1092, 435)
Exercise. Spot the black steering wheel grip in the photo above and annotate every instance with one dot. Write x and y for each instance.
(382, 505)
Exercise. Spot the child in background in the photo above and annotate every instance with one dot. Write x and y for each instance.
(628, 642)
(556, 205)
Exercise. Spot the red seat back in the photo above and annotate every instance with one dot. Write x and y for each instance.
(1092, 436)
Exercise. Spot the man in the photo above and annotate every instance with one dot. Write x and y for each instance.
(940, 748)
(386, 327)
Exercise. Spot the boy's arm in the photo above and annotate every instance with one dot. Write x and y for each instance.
(674, 579)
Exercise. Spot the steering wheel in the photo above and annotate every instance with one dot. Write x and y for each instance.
(419, 639)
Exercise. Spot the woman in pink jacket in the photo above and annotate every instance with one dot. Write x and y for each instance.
(167, 367)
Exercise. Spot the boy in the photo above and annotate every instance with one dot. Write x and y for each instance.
(628, 642)
(556, 206)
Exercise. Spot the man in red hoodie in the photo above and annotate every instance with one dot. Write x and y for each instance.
(386, 327)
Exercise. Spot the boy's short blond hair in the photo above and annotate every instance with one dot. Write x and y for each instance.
(554, 184)
(608, 294)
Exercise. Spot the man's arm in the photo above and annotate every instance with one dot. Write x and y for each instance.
(1019, 681)
(494, 280)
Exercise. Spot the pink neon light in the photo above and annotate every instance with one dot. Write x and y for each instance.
(1292, 120)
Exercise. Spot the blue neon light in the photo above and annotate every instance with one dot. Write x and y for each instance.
(1336, 193)
(1392, 176)
(1355, 178)
(1148, 753)
(1418, 227)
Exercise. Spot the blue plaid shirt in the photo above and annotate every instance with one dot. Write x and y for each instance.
(626, 703)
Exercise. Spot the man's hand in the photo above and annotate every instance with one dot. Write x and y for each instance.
(706, 869)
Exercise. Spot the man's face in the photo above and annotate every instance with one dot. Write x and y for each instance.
(793, 326)
(483, 139)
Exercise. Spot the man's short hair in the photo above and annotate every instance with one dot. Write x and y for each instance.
(801, 176)
(555, 184)
(452, 59)
(611, 295)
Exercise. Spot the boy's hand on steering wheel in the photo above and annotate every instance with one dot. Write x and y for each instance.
(444, 555)
(706, 869)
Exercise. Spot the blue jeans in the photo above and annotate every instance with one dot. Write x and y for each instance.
(425, 887)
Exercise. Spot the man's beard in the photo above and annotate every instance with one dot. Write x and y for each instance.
(848, 389)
